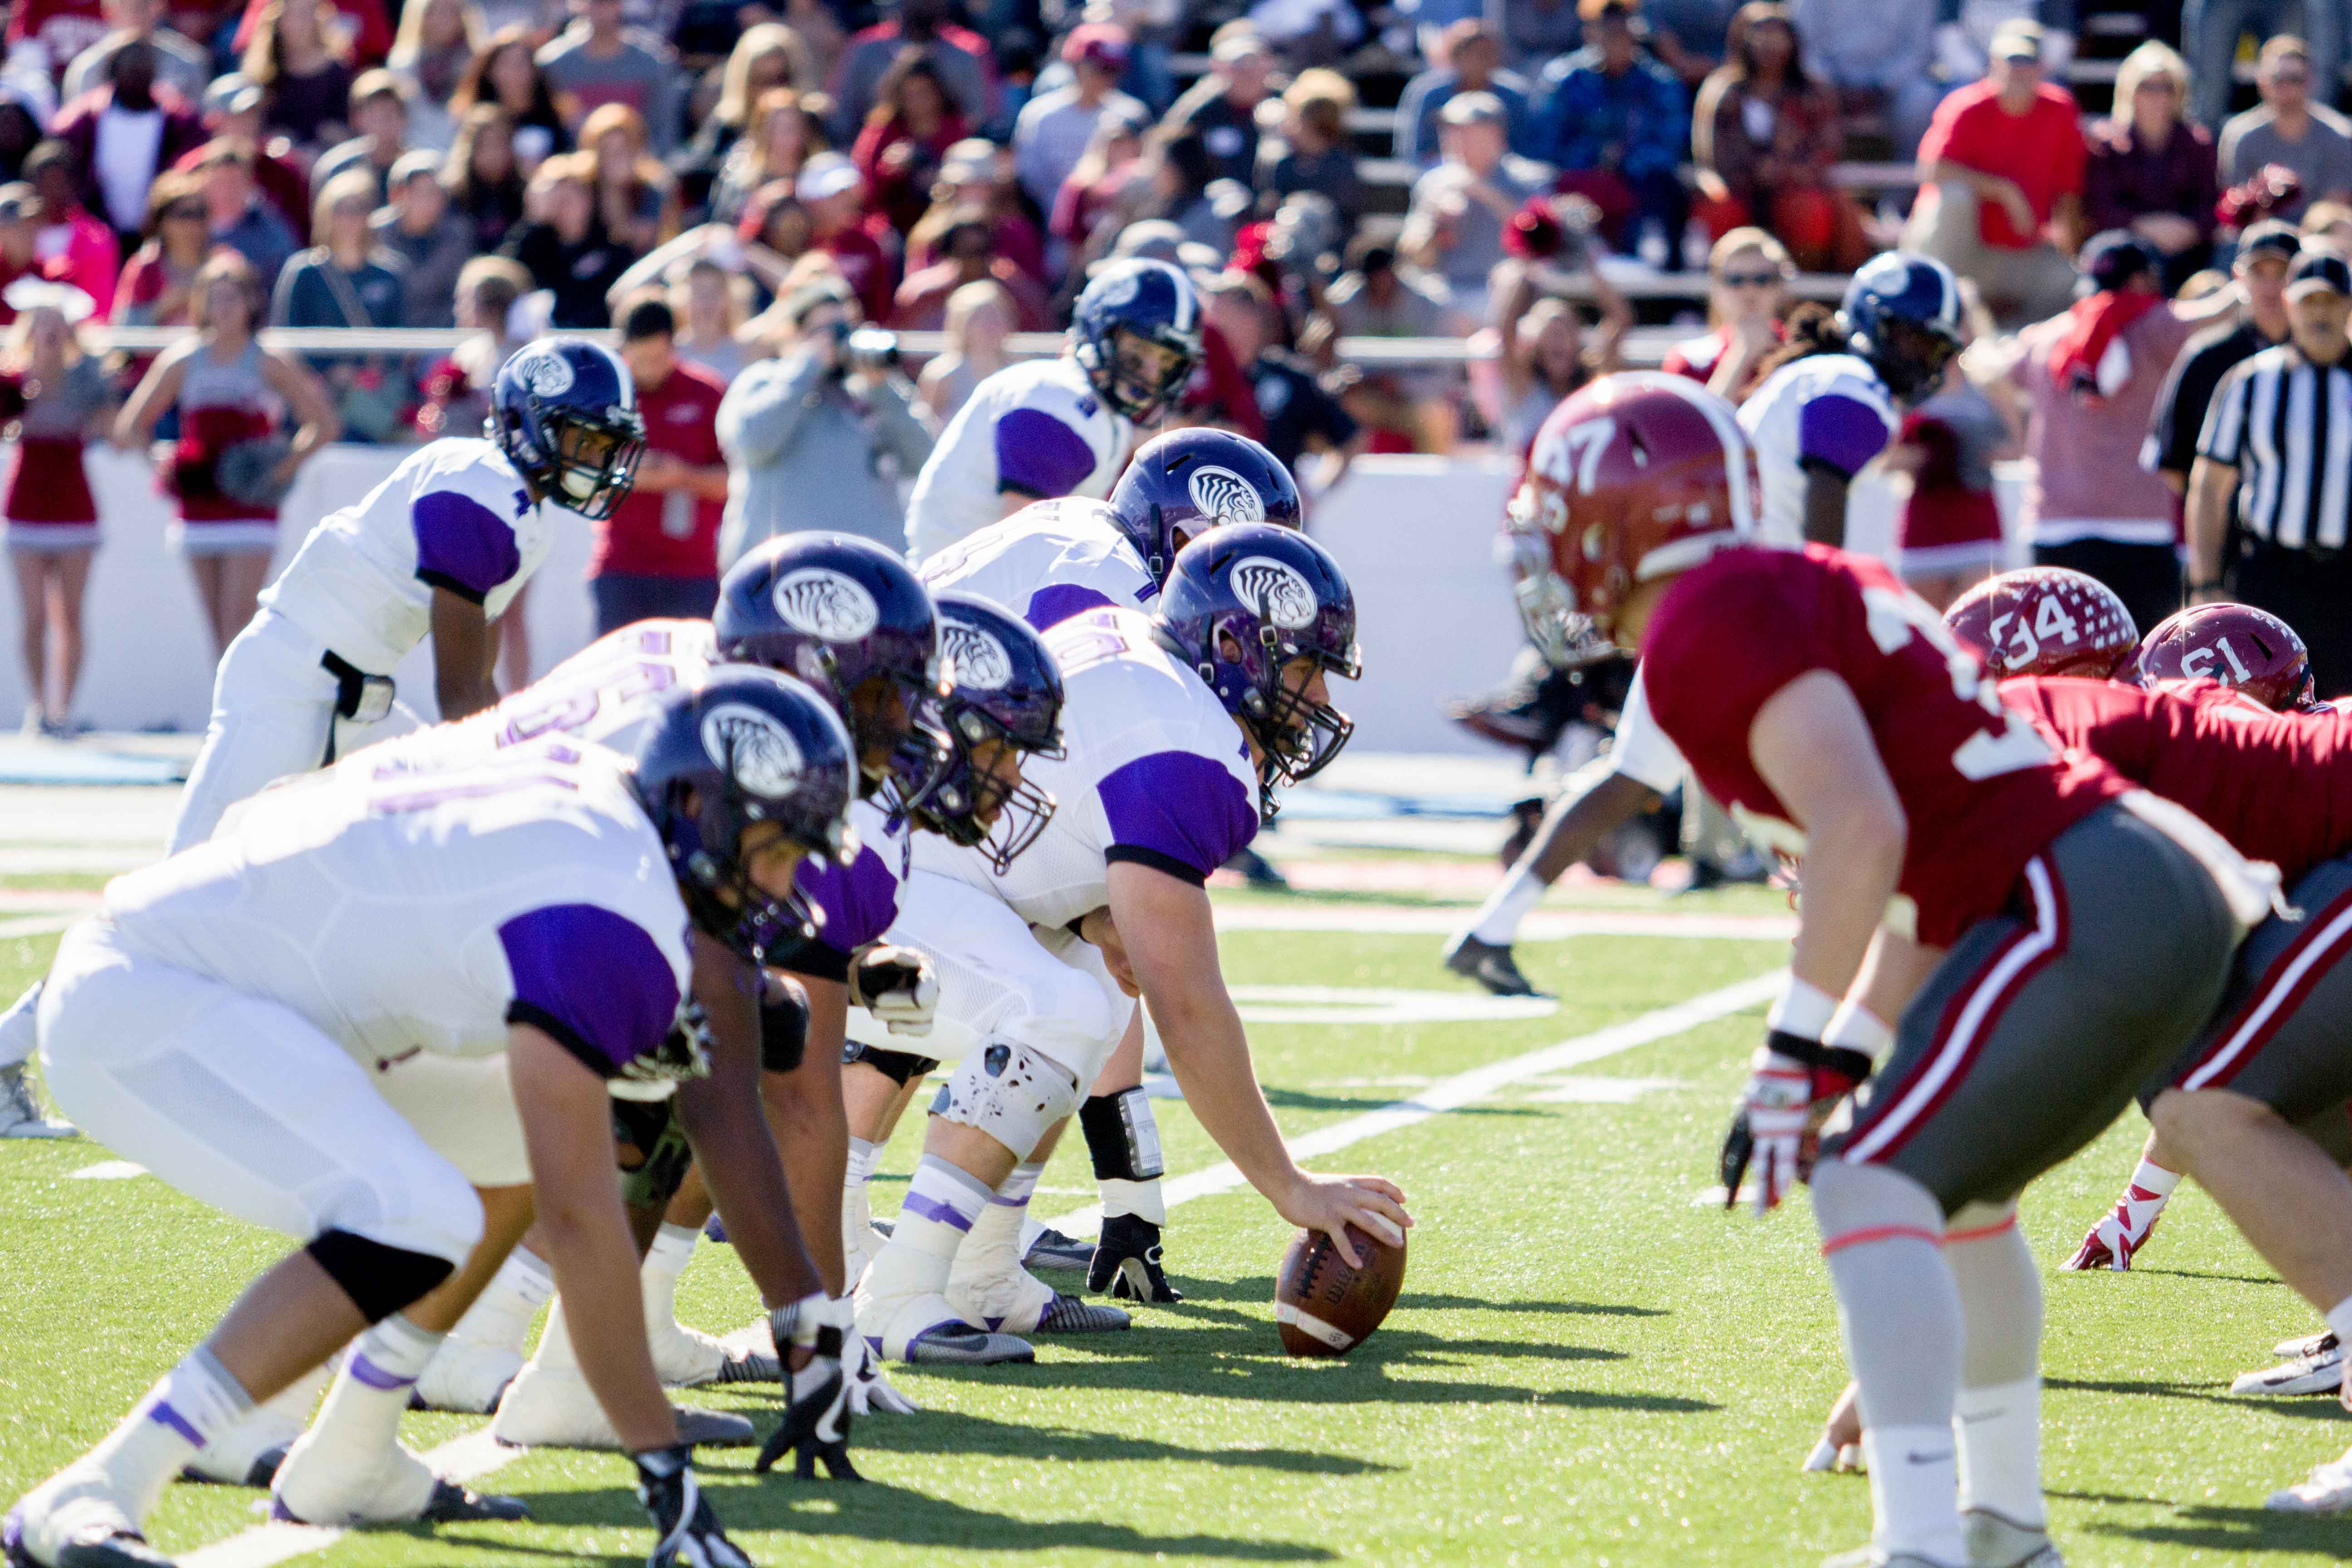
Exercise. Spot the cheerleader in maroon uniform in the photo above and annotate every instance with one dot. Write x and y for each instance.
(56, 398)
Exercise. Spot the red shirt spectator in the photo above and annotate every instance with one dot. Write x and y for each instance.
(830, 189)
(905, 140)
(2042, 150)
(658, 555)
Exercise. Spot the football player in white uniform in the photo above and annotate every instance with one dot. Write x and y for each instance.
(1047, 429)
(342, 1015)
(1041, 959)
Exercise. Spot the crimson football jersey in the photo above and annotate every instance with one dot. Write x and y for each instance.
(1982, 790)
(2278, 786)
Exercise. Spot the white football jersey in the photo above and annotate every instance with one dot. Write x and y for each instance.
(1641, 750)
(1156, 772)
(453, 515)
(1824, 408)
(1038, 427)
(402, 910)
(1046, 563)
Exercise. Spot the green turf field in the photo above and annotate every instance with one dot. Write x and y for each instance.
(1585, 1368)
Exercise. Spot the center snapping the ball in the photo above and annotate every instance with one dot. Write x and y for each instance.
(1324, 1308)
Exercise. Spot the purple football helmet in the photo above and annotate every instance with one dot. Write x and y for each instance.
(1003, 686)
(1186, 482)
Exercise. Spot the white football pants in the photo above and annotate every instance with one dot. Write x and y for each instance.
(247, 1106)
(273, 710)
(1002, 979)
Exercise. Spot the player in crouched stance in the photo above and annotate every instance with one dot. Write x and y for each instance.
(2066, 936)
(245, 1018)
(1041, 958)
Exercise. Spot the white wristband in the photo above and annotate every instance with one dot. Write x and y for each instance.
(1802, 1010)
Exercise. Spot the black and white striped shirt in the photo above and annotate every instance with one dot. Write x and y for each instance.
(2285, 425)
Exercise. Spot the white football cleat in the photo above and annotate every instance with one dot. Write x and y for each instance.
(465, 1376)
(319, 1486)
(76, 1516)
(1997, 1543)
(2321, 1371)
(2310, 1344)
(2328, 1490)
(20, 1109)
(688, 1358)
(554, 1407)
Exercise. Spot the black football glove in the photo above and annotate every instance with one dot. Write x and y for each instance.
(687, 1533)
(816, 1419)
(1127, 1262)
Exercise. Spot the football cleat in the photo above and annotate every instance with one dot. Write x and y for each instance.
(398, 1487)
(76, 1519)
(2310, 1344)
(1014, 1300)
(1070, 1315)
(2322, 1372)
(20, 1109)
(1052, 1249)
(547, 1408)
(921, 1328)
(466, 1376)
(1490, 964)
(688, 1358)
(2328, 1490)
(1996, 1542)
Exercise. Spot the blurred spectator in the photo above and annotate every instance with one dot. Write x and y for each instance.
(980, 317)
(709, 303)
(566, 248)
(1054, 129)
(1537, 32)
(1949, 534)
(635, 193)
(731, 260)
(1309, 32)
(775, 219)
(656, 558)
(907, 132)
(1549, 252)
(48, 34)
(456, 389)
(178, 64)
(967, 257)
(768, 54)
(785, 129)
(1471, 61)
(1747, 276)
(1313, 152)
(2266, 251)
(72, 245)
(153, 288)
(233, 110)
(139, 131)
(2005, 158)
(2330, 221)
(53, 390)
(820, 436)
(1764, 135)
(960, 54)
(2152, 170)
(1545, 363)
(1617, 123)
(241, 218)
(596, 62)
(436, 41)
(345, 279)
(365, 23)
(976, 173)
(2291, 128)
(2210, 31)
(1093, 188)
(1877, 57)
(486, 188)
(830, 189)
(1964, 35)
(20, 218)
(379, 118)
(1691, 37)
(432, 243)
(1299, 415)
(300, 57)
(1454, 227)
(1375, 298)
(1184, 190)
(1018, 54)
(20, 127)
(1221, 107)
(505, 73)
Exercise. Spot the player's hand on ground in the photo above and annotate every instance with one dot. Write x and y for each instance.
(687, 1532)
(810, 1335)
(1373, 1204)
(1126, 1264)
(870, 1389)
(1767, 1131)
(898, 987)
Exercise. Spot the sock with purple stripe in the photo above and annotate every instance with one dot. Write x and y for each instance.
(942, 1204)
(196, 1401)
(362, 1414)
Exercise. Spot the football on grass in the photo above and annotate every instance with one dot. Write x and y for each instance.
(1322, 1307)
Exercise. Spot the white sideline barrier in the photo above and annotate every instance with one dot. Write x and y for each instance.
(1415, 534)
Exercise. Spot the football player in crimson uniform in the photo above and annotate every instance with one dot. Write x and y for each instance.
(2046, 935)
(2044, 620)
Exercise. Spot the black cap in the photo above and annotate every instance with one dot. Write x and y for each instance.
(2113, 257)
(648, 318)
(2316, 269)
(2270, 235)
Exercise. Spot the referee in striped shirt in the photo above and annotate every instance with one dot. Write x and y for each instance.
(2279, 439)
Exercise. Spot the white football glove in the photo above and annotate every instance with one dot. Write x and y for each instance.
(1768, 1131)
(898, 987)
(869, 1389)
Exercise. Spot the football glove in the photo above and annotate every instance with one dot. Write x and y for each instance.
(870, 1390)
(897, 985)
(1127, 1262)
(1790, 1082)
(816, 1417)
(687, 1533)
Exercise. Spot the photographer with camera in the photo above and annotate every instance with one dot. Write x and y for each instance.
(821, 435)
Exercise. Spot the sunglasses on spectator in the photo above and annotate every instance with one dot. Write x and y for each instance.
(1751, 279)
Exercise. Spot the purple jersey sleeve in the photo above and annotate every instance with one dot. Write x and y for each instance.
(1842, 432)
(462, 545)
(1038, 455)
(859, 900)
(596, 982)
(1055, 602)
(1177, 812)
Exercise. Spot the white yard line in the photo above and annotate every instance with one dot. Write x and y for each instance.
(477, 1455)
(36, 925)
(1544, 925)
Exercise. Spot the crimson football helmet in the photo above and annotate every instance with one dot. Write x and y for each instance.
(2044, 620)
(2242, 647)
(1639, 475)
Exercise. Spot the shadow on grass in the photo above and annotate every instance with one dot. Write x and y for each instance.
(949, 1432)
(1260, 1287)
(2237, 1531)
(1220, 1334)
(2139, 1268)
(2316, 1407)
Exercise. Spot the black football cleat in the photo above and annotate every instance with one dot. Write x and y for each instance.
(1490, 964)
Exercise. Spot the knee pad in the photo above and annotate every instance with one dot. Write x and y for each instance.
(1122, 1136)
(784, 1032)
(901, 1068)
(1010, 1092)
(379, 1280)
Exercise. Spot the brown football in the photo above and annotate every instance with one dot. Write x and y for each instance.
(1322, 1307)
